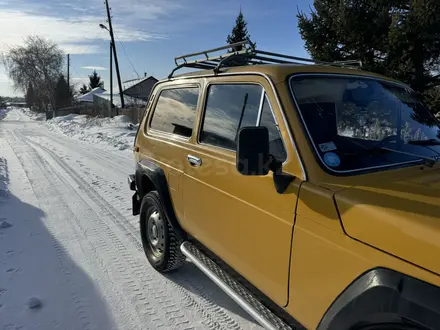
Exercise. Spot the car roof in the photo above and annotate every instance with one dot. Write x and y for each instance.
(279, 72)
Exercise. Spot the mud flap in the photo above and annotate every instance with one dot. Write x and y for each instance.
(136, 204)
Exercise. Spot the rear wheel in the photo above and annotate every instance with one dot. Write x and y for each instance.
(160, 242)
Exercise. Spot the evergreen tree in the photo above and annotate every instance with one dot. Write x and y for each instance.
(31, 96)
(84, 89)
(2, 103)
(63, 94)
(398, 38)
(239, 32)
(95, 80)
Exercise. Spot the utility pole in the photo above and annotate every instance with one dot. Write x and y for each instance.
(68, 75)
(116, 56)
(111, 80)
(68, 69)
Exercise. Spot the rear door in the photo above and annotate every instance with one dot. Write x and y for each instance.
(241, 219)
(167, 132)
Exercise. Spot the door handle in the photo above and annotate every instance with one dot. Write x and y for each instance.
(194, 161)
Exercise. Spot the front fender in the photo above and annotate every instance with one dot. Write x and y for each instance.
(382, 292)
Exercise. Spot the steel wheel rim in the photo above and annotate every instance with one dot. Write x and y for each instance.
(156, 234)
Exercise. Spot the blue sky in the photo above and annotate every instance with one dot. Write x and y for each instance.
(152, 32)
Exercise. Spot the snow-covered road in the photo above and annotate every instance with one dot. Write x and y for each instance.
(74, 244)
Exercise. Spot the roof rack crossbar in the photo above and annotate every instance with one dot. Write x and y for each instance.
(244, 44)
(271, 60)
(244, 53)
(295, 58)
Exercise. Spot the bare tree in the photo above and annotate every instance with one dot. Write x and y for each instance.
(38, 62)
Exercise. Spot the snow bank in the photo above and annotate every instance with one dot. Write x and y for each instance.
(39, 116)
(118, 132)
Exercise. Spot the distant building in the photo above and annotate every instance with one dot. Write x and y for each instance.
(136, 93)
(103, 100)
(139, 88)
(16, 104)
(88, 97)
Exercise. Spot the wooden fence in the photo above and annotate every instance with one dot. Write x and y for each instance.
(135, 114)
(90, 109)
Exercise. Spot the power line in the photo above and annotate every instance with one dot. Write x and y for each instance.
(98, 34)
(77, 73)
(125, 52)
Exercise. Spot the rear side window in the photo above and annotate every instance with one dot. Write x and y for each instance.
(175, 111)
(228, 108)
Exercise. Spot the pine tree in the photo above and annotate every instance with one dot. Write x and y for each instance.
(30, 97)
(398, 38)
(84, 89)
(239, 32)
(95, 80)
(63, 94)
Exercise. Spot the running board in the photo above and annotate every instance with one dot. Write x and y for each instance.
(233, 289)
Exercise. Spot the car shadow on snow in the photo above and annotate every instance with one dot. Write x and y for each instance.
(206, 288)
(33, 263)
(3, 113)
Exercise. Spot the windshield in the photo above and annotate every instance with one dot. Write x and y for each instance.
(360, 123)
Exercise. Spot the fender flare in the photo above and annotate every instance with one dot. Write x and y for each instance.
(157, 176)
(382, 292)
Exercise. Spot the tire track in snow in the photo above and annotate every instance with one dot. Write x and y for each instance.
(215, 317)
(221, 317)
(92, 152)
(130, 274)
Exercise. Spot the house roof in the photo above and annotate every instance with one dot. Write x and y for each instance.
(127, 85)
(88, 97)
(128, 100)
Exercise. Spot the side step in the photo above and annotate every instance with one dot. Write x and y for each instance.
(233, 289)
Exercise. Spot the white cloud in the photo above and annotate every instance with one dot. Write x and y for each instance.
(97, 68)
(75, 35)
(74, 49)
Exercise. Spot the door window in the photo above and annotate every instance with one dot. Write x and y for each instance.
(228, 108)
(231, 107)
(175, 111)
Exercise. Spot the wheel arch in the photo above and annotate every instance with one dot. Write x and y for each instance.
(151, 176)
(382, 294)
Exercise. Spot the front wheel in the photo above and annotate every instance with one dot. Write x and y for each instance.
(389, 326)
(160, 242)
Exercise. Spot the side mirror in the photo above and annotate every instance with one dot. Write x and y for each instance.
(253, 151)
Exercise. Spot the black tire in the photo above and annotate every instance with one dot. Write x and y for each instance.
(161, 245)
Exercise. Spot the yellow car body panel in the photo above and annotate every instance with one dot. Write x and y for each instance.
(399, 216)
(325, 263)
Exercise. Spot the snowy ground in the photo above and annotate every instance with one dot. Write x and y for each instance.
(73, 244)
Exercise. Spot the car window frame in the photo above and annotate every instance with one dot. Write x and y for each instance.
(260, 113)
(263, 96)
(150, 131)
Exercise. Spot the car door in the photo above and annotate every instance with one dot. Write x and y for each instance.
(241, 219)
(165, 138)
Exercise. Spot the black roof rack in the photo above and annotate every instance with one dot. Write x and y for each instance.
(245, 53)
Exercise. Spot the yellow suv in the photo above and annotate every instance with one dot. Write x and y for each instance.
(309, 192)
